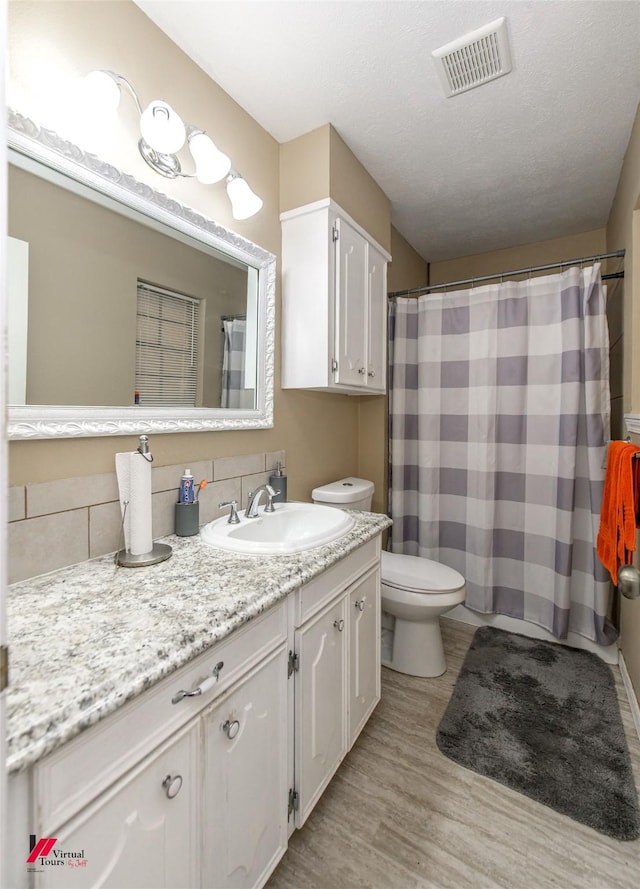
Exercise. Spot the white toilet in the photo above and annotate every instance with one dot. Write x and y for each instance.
(415, 592)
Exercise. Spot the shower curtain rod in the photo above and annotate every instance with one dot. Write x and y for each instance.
(533, 268)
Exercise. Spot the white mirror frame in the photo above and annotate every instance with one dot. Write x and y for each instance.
(60, 421)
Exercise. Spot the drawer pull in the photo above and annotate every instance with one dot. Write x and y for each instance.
(202, 688)
(231, 729)
(372, 373)
(172, 785)
(360, 604)
(339, 625)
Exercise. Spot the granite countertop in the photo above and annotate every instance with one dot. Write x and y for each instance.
(86, 639)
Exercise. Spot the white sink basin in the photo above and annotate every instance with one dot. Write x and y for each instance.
(292, 528)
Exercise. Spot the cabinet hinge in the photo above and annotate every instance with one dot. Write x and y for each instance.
(335, 233)
(293, 802)
(4, 667)
(334, 365)
(293, 664)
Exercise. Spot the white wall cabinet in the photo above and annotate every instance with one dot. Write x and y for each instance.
(334, 302)
(200, 790)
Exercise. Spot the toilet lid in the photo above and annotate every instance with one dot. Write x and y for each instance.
(418, 574)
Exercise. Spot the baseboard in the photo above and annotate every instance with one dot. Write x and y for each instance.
(631, 694)
(608, 653)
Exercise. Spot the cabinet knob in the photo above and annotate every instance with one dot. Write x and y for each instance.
(372, 373)
(362, 370)
(339, 625)
(360, 604)
(172, 785)
(231, 729)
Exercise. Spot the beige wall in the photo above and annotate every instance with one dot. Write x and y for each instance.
(556, 250)
(623, 232)
(305, 169)
(620, 237)
(319, 165)
(407, 268)
(319, 432)
(356, 192)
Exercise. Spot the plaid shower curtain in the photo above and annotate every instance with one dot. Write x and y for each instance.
(499, 421)
(234, 393)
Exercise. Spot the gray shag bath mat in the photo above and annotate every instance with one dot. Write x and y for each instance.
(544, 720)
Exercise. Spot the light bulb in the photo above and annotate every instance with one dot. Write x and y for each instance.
(162, 128)
(100, 92)
(86, 110)
(244, 203)
(211, 164)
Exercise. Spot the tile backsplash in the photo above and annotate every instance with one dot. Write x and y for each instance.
(54, 524)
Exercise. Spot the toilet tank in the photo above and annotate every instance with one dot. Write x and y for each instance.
(348, 493)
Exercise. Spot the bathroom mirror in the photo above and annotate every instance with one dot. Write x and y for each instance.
(129, 313)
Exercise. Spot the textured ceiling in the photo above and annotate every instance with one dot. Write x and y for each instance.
(533, 155)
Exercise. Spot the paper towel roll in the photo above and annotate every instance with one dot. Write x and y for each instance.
(134, 484)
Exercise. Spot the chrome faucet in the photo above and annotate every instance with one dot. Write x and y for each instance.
(253, 500)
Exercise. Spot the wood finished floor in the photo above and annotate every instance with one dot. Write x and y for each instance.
(400, 815)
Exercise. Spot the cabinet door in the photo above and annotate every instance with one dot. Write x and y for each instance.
(351, 306)
(245, 779)
(320, 724)
(364, 651)
(377, 322)
(142, 833)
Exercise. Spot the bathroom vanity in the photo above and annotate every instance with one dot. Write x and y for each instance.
(171, 726)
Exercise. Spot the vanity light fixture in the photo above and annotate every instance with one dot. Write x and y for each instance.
(244, 203)
(163, 134)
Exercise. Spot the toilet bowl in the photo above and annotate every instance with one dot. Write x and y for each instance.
(416, 591)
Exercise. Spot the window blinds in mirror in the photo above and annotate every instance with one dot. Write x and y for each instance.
(167, 341)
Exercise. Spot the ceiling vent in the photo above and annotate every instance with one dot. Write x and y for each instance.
(474, 59)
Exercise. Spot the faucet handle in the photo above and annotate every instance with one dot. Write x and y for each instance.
(271, 494)
(234, 518)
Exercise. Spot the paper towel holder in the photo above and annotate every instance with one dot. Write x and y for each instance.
(159, 551)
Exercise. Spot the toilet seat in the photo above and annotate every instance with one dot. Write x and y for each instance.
(418, 575)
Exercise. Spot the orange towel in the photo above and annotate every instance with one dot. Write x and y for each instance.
(617, 533)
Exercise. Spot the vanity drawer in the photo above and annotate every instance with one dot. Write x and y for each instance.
(311, 597)
(75, 774)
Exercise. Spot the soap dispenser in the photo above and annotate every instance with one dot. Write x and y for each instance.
(278, 482)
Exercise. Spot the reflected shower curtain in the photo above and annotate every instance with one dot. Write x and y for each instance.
(499, 419)
(234, 393)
